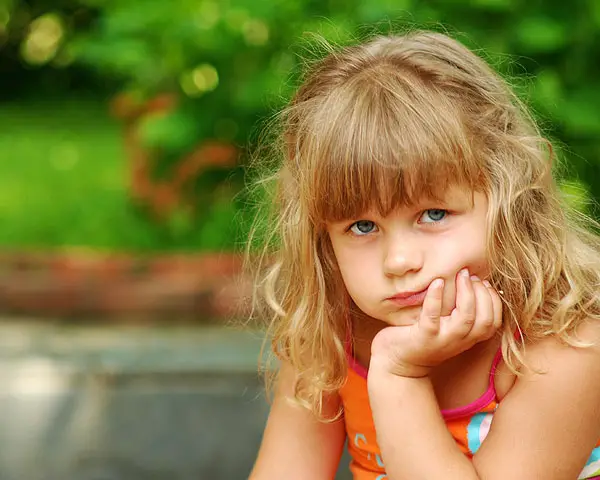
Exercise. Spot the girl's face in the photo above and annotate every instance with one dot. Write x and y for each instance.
(386, 262)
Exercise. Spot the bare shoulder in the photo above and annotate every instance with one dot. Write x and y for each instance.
(551, 353)
(549, 422)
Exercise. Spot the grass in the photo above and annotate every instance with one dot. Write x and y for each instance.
(63, 184)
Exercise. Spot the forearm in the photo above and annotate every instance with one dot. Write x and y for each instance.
(411, 432)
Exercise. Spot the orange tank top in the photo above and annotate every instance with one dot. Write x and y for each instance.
(469, 425)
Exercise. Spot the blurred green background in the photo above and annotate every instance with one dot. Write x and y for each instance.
(126, 125)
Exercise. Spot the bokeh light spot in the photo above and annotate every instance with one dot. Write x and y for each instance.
(256, 32)
(43, 39)
(236, 18)
(204, 78)
(208, 15)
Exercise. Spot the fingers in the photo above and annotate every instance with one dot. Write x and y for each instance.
(478, 312)
(435, 338)
(429, 323)
(463, 317)
(484, 326)
(497, 304)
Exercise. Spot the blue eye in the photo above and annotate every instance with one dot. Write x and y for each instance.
(363, 227)
(434, 215)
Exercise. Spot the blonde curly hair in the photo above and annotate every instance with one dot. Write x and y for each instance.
(383, 124)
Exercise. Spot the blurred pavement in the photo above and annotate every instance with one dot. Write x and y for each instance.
(129, 403)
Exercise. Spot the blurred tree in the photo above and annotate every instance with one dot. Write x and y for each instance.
(231, 61)
(197, 75)
(35, 54)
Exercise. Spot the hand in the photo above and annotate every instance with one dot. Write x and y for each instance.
(412, 351)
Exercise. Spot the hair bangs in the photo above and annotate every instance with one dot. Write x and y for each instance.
(374, 148)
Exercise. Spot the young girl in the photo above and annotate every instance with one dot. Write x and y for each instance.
(434, 302)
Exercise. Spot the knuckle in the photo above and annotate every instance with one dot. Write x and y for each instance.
(430, 331)
(427, 327)
(488, 322)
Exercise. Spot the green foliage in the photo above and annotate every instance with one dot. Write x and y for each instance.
(63, 183)
(232, 63)
(172, 132)
(255, 49)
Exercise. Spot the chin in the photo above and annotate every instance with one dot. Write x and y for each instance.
(406, 319)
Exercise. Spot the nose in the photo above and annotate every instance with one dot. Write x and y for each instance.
(402, 256)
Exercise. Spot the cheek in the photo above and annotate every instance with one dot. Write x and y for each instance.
(476, 259)
(358, 272)
(459, 254)
(344, 262)
(353, 271)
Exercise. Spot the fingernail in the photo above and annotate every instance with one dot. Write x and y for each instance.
(487, 284)
(464, 272)
(475, 278)
(437, 283)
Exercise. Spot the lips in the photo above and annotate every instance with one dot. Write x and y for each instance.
(408, 299)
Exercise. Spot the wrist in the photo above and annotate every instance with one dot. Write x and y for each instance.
(385, 387)
(382, 366)
(382, 382)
